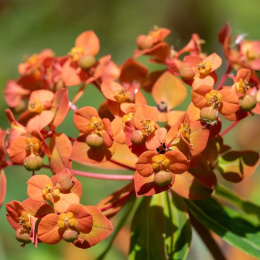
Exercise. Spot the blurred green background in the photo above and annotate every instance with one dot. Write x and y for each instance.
(28, 26)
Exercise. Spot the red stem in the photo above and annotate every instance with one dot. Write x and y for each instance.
(117, 201)
(224, 77)
(229, 128)
(103, 176)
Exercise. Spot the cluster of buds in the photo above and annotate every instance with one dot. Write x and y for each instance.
(163, 146)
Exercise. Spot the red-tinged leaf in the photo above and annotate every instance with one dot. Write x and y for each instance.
(109, 88)
(49, 231)
(33, 233)
(118, 130)
(215, 61)
(65, 200)
(235, 166)
(60, 106)
(36, 184)
(82, 118)
(42, 95)
(202, 172)
(145, 186)
(173, 117)
(2, 187)
(82, 153)
(178, 162)
(82, 216)
(132, 70)
(244, 74)
(38, 122)
(144, 163)
(189, 187)
(123, 156)
(153, 141)
(148, 82)
(160, 229)
(71, 74)
(17, 152)
(60, 147)
(101, 229)
(169, 89)
(14, 210)
(198, 95)
(229, 104)
(113, 203)
(89, 41)
(209, 80)
(144, 113)
(199, 136)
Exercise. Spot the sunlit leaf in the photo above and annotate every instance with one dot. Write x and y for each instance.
(228, 224)
(160, 228)
(237, 165)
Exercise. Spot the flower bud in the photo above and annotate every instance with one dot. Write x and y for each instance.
(23, 235)
(86, 62)
(144, 42)
(65, 183)
(209, 115)
(95, 141)
(186, 71)
(137, 137)
(247, 102)
(162, 178)
(33, 162)
(70, 235)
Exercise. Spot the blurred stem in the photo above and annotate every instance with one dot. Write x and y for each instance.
(229, 128)
(103, 176)
(224, 77)
(208, 240)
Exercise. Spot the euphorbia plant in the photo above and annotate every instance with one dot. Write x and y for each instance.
(174, 155)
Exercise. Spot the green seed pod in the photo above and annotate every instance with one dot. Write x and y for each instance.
(86, 62)
(70, 235)
(162, 178)
(144, 42)
(209, 115)
(33, 163)
(187, 72)
(137, 137)
(95, 141)
(247, 102)
(23, 235)
(64, 182)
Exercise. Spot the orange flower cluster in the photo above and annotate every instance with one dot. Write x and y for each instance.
(181, 150)
(53, 212)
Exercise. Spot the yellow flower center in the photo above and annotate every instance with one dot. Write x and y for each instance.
(242, 86)
(76, 53)
(185, 130)
(96, 125)
(127, 118)
(32, 59)
(36, 106)
(66, 220)
(32, 146)
(160, 162)
(148, 127)
(24, 220)
(120, 95)
(204, 68)
(50, 192)
(213, 98)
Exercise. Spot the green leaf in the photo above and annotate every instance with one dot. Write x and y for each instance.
(247, 208)
(228, 224)
(237, 165)
(160, 228)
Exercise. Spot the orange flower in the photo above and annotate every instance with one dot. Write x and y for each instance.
(80, 58)
(155, 171)
(61, 190)
(23, 217)
(67, 225)
(203, 70)
(94, 145)
(224, 101)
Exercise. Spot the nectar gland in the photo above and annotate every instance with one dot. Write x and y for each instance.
(214, 98)
(204, 68)
(66, 220)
